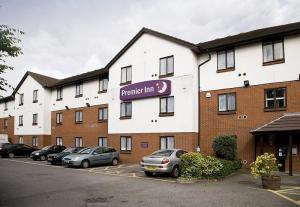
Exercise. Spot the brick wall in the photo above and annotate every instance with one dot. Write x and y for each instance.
(250, 103)
(10, 128)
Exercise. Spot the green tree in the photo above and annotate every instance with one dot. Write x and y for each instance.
(8, 48)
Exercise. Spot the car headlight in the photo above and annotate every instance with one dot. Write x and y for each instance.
(76, 158)
(37, 153)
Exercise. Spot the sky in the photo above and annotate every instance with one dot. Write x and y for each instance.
(68, 37)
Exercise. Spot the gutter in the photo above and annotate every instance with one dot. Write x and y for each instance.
(198, 91)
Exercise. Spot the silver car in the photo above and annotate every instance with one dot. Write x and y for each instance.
(163, 161)
(92, 156)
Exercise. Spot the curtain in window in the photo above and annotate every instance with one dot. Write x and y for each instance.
(170, 66)
(222, 103)
(171, 104)
(230, 59)
(268, 52)
(163, 66)
(231, 102)
(170, 142)
(163, 143)
(123, 143)
(221, 60)
(278, 50)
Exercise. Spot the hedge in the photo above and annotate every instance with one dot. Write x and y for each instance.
(197, 166)
(225, 147)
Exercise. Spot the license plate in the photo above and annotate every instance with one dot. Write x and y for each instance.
(49, 159)
(151, 168)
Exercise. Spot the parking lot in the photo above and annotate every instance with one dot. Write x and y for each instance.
(34, 183)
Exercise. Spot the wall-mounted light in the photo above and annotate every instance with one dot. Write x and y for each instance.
(67, 107)
(246, 83)
(208, 95)
(87, 104)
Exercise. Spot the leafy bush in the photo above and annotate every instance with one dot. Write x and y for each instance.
(229, 166)
(225, 147)
(264, 165)
(198, 166)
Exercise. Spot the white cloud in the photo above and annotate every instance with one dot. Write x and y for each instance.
(68, 37)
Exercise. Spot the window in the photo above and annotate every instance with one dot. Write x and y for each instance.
(227, 102)
(21, 120)
(78, 117)
(78, 90)
(21, 140)
(275, 98)
(103, 114)
(59, 141)
(126, 75)
(35, 96)
(166, 142)
(59, 93)
(21, 100)
(5, 123)
(102, 141)
(78, 141)
(34, 119)
(5, 106)
(166, 66)
(59, 118)
(126, 110)
(226, 59)
(126, 144)
(35, 141)
(166, 106)
(103, 83)
(273, 51)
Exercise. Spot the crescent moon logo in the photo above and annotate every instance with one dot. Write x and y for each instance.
(164, 87)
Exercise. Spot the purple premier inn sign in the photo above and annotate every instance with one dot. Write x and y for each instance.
(145, 89)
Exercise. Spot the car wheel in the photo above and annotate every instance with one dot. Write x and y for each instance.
(85, 164)
(11, 155)
(175, 172)
(115, 162)
(43, 157)
(148, 173)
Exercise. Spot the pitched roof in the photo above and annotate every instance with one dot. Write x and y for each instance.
(154, 33)
(45, 81)
(103, 72)
(289, 122)
(252, 36)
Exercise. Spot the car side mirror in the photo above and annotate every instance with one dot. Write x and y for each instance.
(94, 153)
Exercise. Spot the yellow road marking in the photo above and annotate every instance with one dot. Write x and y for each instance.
(95, 172)
(286, 191)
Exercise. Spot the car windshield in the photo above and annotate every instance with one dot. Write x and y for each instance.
(46, 148)
(163, 153)
(86, 151)
(69, 150)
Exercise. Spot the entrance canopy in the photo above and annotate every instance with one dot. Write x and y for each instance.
(289, 122)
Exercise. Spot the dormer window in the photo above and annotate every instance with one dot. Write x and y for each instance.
(226, 60)
(273, 52)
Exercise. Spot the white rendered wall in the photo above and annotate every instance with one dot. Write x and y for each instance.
(248, 59)
(90, 95)
(10, 109)
(144, 56)
(29, 108)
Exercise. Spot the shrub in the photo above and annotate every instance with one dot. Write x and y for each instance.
(198, 166)
(264, 165)
(229, 166)
(225, 147)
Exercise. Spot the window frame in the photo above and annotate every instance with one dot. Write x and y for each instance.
(102, 141)
(226, 65)
(21, 120)
(59, 118)
(35, 96)
(167, 113)
(33, 117)
(275, 108)
(80, 86)
(21, 99)
(127, 138)
(59, 141)
(35, 142)
(125, 116)
(166, 137)
(81, 141)
(102, 119)
(80, 121)
(227, 111)
(126, 80)
(103, 90)
(274, 61)
(5, 123)
(59, 93)
(168, 74)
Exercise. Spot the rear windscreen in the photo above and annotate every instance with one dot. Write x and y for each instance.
(163, 153)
